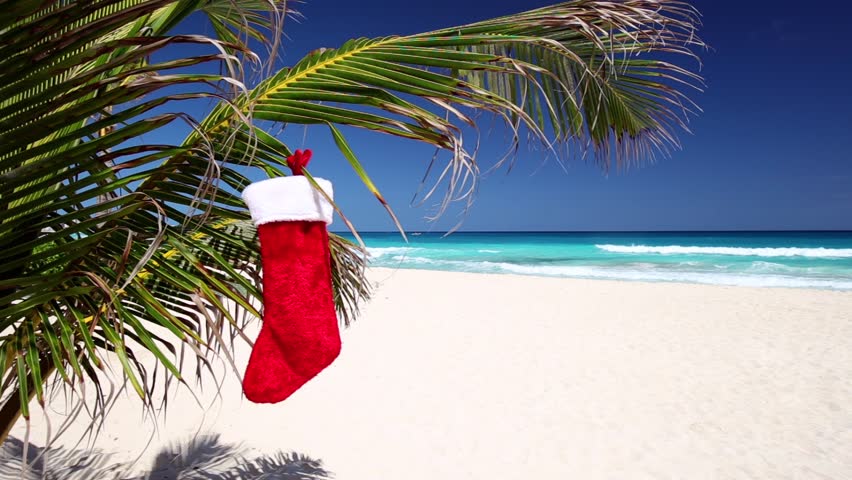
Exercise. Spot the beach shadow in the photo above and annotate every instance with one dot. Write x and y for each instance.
(57, 464)
(207, 458)
(202, 458)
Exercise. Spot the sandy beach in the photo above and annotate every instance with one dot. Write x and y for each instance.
(472, 376)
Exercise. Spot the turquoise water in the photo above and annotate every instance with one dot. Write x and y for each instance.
(783, 259)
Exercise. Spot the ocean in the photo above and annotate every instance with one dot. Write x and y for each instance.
(821, 260)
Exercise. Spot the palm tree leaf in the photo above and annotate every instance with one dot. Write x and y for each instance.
(572, 68)
(76, 99)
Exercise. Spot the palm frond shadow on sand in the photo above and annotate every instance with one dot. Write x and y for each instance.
(202, 458)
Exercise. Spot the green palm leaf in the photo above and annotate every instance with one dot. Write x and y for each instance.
(575, 69)
(79, 241)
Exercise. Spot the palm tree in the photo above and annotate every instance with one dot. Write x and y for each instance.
(111, 245)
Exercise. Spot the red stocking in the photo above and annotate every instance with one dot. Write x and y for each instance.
(300, 335)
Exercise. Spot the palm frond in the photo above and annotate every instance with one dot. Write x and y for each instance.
(573, 74)
(91, 265)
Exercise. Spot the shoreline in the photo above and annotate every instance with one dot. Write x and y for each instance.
(390, 270)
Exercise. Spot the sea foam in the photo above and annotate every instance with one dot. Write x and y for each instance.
(738, 251)
(378, 252)
(638, 273)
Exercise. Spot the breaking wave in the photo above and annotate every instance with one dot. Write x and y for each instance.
(637, 272)
(738, 251)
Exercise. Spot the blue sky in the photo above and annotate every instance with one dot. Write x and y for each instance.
(770, 151)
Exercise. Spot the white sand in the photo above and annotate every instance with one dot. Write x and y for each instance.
(469, 376)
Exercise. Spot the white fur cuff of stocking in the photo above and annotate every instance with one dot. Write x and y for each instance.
(289, 199)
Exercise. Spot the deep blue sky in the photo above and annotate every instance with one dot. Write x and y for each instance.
(771, 150)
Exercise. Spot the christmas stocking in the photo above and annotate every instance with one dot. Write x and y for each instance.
(299, 336)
